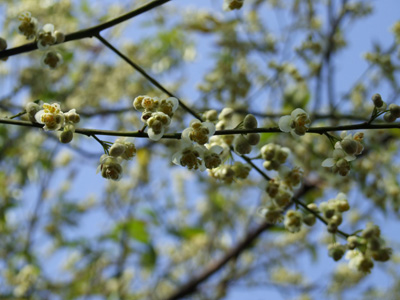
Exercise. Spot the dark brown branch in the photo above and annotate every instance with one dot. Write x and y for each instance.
(89, 32)
(251, 237)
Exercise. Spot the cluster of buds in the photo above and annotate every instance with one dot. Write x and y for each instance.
(243, 143)
(198, 132)
(345, 151)
(45, 37)
(332, 211)
(156, 114)
(53, 119)
(232, 4)
(370, 246)
(110, 164)
(297, 123)
(293, 220)
(392, 112)
(228, 173)
(274, 155)
(197, 157)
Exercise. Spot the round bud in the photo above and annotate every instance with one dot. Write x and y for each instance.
(309, 220)
(250, 122)
(60, 37)
(332, 227)
(242, 146)
(312, 206)
(389, 117)
(253, 138)
(117, 149)
(3, 44)
(349, 146)
(394, 110)
(268, 151)
(336, 252)
(66, 136)
(377, 99)
(211, 115)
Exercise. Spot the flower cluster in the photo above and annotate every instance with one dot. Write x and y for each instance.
(53, 119)
(228, 173)
(370, 246)
(243, 143)
(156, 113)
(281, 188)
(198, 132)
(297, 123)
(110, 164)
(274, 155)
(45, 37)
(332, 211)
(198, 155)
(345, 151)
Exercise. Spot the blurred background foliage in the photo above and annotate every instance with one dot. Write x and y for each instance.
(67, 233)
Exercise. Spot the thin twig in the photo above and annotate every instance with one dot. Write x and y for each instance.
(147, 76)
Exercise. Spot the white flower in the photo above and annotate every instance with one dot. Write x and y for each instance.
(72, 116)
(123, 149)
(198, 132)
(46, 37)
(351, 145)
(190, 156)
(28, 26)
(297, 123)
(339, 162)
(110, 167)
(52, 59)
(291, 177)
(293, 220)
(212, 157)
(157, 124)
(271, 213)
(51, 116)
(168, 106)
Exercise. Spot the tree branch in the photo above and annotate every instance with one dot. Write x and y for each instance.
(177, 136)
(89, 32)
(250, 238)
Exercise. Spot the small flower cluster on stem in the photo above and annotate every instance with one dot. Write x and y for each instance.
(110, 162)
(345, 151)
(156, 114)
(45, 37)
(297, 123)
(53, 119)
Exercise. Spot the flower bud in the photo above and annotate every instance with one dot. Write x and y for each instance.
(389, 117)
(60, 37)
(253, 138)
(309, 219)
(250, 122)
(117, 149)
(242, 146)
(394, 110)
(377, 99)
(3, 44)
(66, 136)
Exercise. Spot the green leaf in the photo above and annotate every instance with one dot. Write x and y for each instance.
(137, 230)
(149, 257)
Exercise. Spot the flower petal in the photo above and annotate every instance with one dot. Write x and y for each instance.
(284, 123)
(329, 162)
